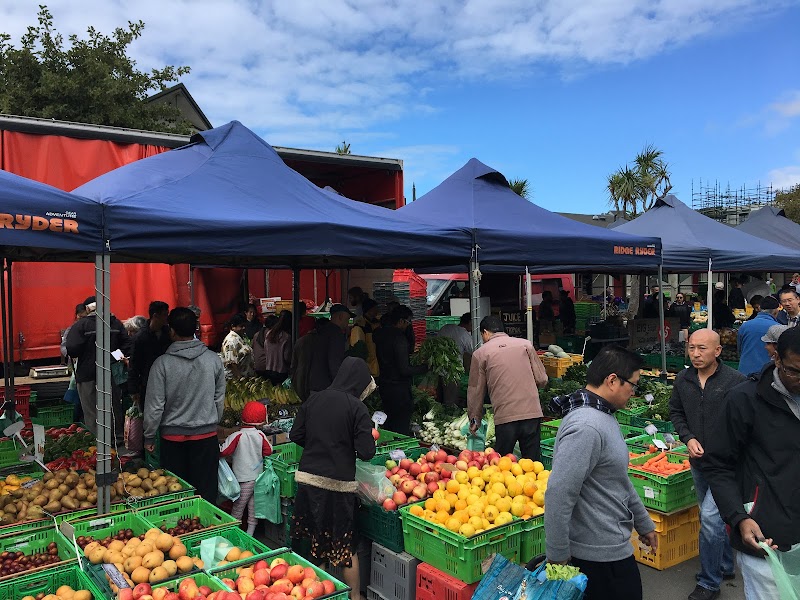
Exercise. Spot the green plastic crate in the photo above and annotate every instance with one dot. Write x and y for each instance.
(47, 582)
(676, 364)
(411, 453)
(436, 323)
(549, 429)
(235, 536)
(623, 415)
(166, 516)
(389, 440)
(36, 541)
(102, 526)
(382, 526)
(455, 554)
(663, 493)
(54, 416)
(548, 444)
(200, 579)
(572, 344)
(662, 426)
(188, 491)
(285, 461)
(532, 543)
(643, 442)
(652, 361)
(342, 591)
(734, 364)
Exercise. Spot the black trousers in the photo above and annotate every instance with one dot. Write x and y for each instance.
(619, 580)
(398, 406)
(196, 462)
(527, 433)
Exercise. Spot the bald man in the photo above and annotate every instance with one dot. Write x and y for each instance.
(696, 409)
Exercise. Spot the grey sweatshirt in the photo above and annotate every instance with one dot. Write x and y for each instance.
(592, 506)
(185, 392)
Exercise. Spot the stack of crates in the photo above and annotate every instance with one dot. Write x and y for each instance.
(586, 313)
(409, 289)
(433, 584)
(393, 575)
(678, 539)
(22, 400)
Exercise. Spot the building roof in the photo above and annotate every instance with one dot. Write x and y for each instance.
(180, 97)
(598, 220)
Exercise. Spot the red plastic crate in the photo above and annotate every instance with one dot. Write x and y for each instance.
(417, 286)
(22, 398)
(433, 584)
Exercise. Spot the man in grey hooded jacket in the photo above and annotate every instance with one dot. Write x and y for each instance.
(185, 400)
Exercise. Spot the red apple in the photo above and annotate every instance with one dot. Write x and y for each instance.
(187, 589)
(432, 487)
(328, 585)
(437, 466)
(394, 470)
(282, 586)
(174, 596)
(420, 491)
(256, 595)
(204, 590)
(279, 561)
(125, 594)
(296, 574)
(462, 465)
(261, 577)
(229, 583)
(278, 572)
(315, 590)
(431, 456)
(399, 498)
(493, 458)
(446, 474)
(244, 585)
(512, 457)
(376, 434)
(431, 477)
(441, 455)
(143, 589)
(425, 468)
(405, 464)
(389, 504)
(408, 486)
(451, 459)
(298, 592)
(465, 455)
(260, 565)
(415, 469)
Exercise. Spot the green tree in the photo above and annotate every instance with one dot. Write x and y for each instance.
(635, 188)
(92, 80)
(343, 148)
(789, 201)
(520, 187)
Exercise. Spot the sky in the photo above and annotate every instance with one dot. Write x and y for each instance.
(558, 92)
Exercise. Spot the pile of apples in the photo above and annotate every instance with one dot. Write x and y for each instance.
(418, 480)
(277, 580)
(187, 590)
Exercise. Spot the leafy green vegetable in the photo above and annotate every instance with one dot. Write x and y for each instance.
(561, 572)
(659, 408)
(442, 357)
(576, 373)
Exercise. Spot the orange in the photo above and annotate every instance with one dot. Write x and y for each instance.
(416, 510)
(442, 516)
(503, 504)
(500, 489)
(529, 489)
(476, 522)
(491, 513)
(527, 464)
(453, 524)
(466, 530)
(453, 486)
(475, 510)
(478, 482)
(538, 498)
(461, 477)
(460, 504)
(442, 506)
(505, 464)
(537, 467)
(473, 472)
(516, 469)
(452, 499)
(430, 504)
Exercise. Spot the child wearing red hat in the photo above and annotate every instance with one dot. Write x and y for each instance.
(248, 447)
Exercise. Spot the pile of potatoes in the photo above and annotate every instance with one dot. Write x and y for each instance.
(67, 490)
(153, 559)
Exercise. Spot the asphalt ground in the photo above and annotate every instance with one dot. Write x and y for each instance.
(677, 583)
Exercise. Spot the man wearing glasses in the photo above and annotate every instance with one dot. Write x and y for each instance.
(753, 466)
(696, 406)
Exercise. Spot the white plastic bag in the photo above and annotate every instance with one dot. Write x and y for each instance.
(228, 485)
(373, 486)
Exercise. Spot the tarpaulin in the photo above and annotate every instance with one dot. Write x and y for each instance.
(509, 231)
(770, 223)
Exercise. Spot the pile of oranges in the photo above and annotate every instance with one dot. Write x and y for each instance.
(479, 499)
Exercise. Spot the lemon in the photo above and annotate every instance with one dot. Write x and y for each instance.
(527, 464)
(466, 530)
(537, 467)
(453, 524)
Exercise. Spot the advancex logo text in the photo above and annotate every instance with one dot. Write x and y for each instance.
(35, 223)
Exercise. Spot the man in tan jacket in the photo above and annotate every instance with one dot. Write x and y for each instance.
(512, 372)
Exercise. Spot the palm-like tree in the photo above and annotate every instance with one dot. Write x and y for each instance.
(640, 185)
(520, 187)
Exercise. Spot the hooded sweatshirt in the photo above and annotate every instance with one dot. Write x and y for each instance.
(185, 392)
(334, 428)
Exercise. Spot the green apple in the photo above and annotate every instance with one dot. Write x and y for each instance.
(390, 464)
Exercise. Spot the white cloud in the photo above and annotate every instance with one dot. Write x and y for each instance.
(784, 177)
(308, 73)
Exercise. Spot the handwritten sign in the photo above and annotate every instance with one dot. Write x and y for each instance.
(515, 323)
(644, 332)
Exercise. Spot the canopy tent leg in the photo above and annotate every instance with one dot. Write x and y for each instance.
(474, 297)
(710, 297)
(105, 418)
(662, 328)
(315, 287)
(8, 336)
(191, 285)
(295, 301)
(529, 302)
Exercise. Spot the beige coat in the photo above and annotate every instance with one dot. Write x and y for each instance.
(512, 372)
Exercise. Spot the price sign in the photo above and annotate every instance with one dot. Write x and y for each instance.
(67, 529)
(669, 439)
(379, 418)
(649, 493)
(100, 523)
(434, 448)
(30, 484)
(397, 455)
(651, 429)
(38, 442)
(659, 444)
(650, 398)
(115, 576)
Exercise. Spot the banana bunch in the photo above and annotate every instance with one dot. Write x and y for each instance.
(284, 397)
(240, 391)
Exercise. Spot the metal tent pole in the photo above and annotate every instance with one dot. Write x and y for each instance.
(103, 381)
(661, 320)
(474, 296)
(529, 305)
(710, 297)
(8, 355)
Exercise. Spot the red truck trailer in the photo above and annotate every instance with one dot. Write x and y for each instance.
(67, 155)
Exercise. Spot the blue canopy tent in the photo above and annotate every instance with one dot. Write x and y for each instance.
(228, 199)
(770, 223)
(510, 233)
(693, 242)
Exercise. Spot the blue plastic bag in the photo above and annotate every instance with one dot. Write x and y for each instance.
(507, 580)
(228, 485)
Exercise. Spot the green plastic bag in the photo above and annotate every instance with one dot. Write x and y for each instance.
(267, 495)
(786, 570)
(476, 442)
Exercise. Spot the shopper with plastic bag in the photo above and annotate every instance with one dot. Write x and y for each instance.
(334, 428)
(753, 468)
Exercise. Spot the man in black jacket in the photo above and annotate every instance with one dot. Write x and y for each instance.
(753, 468)
(328, 349)
(681, 310)
(697, 402)
(391, 347)
(81, 342)
(150, 343)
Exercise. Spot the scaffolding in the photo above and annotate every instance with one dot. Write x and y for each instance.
(730, 205)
